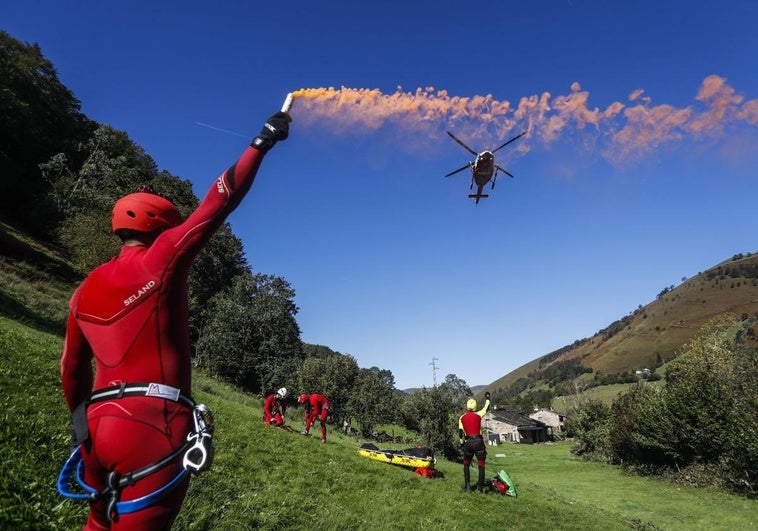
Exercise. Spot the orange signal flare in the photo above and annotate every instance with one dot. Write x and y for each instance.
(627, 129)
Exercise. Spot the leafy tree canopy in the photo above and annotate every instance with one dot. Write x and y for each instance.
(39, 117)
(252, 339)
(373, 399)
(334, 377)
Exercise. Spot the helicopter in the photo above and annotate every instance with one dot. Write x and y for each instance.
(483, 168)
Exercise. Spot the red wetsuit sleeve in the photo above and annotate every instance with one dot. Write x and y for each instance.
(268, 405)
(133, 310)
(76, 365)
(222, 198)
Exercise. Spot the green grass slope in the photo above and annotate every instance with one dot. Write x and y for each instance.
(267, 478)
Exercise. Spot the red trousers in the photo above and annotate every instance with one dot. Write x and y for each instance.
(128, 434)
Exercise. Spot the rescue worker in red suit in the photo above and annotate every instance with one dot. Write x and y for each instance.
(131, 316)
(275, 407)
(470, 432)
(316, 407)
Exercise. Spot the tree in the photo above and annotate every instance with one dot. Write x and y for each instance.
(113, 166)
(334, 377)
(741, 461)
(214, 269)
(433, 414)
(252, 340)
(88, 238)
(588, 422)
(699, 393)
(317, 351)
(373, 399)
(39, 117)
(639, 428)
(530, 400)
(704, 420)
(457, 389)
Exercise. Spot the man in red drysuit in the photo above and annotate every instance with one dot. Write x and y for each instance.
(275, 407)
(316, 407)
(470, 432)
(131, 316)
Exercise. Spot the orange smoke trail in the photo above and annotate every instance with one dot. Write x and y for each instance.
(626, 130)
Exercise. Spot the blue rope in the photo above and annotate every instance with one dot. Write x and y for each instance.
(130, 506)
(71, 465)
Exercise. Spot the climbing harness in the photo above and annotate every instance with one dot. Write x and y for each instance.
(154, 390)
(115, 483)
(196, 453)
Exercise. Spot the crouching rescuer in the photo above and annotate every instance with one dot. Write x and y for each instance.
(316, 408)
(139, 436)
(470, 432)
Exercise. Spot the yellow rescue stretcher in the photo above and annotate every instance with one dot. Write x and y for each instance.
(419, 457)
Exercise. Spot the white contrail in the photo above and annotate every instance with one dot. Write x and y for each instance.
(222, 130)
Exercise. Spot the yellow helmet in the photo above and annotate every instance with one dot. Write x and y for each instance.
(471, 404)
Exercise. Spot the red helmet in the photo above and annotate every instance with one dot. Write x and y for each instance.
(144, 212)
(302, 399)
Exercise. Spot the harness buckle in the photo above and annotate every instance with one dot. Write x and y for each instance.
(113, 491)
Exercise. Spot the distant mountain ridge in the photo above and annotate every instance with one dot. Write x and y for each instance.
(653, 334)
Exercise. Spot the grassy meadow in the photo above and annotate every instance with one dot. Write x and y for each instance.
(267, 478)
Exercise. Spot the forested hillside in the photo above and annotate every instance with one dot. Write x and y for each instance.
(643, 340)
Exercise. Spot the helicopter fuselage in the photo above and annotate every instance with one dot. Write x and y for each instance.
(483, 168)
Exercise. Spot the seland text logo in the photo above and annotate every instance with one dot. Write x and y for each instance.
(140, 292)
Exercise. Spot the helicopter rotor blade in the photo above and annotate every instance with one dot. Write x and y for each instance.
(458, 170)
(509, 174)
(511, 140)
(462, 144)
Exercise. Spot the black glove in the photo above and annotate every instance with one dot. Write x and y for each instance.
(487, 395)
(276, 128)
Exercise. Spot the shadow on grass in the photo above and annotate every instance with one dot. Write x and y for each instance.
(13, 309)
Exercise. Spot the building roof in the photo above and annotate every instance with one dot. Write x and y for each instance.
(514, 417)
(549, 411)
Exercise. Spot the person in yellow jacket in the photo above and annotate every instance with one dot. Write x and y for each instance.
(470, 432)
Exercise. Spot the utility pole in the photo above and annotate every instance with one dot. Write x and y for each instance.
(434, 371)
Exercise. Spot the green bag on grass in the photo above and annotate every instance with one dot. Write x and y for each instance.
(508, 481)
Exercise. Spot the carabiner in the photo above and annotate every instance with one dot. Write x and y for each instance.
(200, 456)
(204, 419)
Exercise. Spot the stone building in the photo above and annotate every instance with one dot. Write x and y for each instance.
(512, 426)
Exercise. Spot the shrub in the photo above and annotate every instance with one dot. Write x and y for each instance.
(639, 434)
(588, 422)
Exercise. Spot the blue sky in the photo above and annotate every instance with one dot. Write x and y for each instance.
(638, 168)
